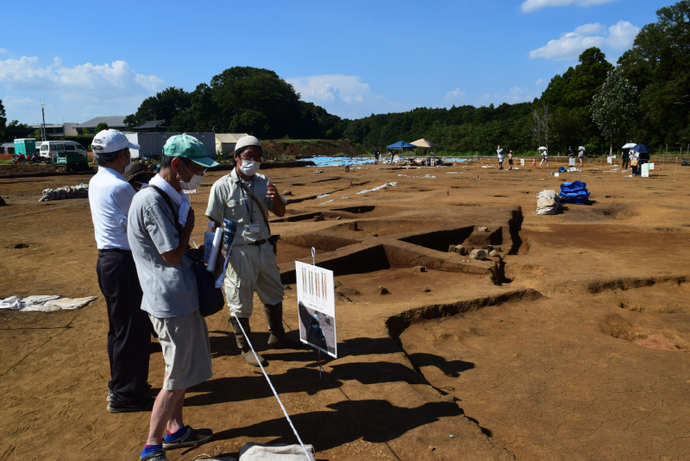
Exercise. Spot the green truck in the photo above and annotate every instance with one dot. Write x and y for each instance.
(63, 158)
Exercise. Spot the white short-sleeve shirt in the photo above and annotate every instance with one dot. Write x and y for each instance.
(110, 197)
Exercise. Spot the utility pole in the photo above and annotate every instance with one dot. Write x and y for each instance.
(43, 126)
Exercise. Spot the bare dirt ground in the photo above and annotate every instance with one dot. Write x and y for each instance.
(571, 344)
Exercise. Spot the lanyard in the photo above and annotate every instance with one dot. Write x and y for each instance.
(251, 212)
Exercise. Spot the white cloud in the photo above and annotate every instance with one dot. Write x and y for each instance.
(3, 50)
(571, 44)
(534, 5)
(622, 35)
(150, 82)
(85, 90)
(539, 82)
(343, 95)
(590, 29)
(454, 96)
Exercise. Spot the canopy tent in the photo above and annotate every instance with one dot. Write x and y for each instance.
(423, 143)
(400, 145)
(225, 142)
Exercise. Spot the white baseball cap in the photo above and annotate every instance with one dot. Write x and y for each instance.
(245, 141)
(111, 141)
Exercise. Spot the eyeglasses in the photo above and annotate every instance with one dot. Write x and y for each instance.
(197, 169)
(254, 158)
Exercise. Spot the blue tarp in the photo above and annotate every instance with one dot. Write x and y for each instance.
(400, 145)
(338, 161)
(574, 192)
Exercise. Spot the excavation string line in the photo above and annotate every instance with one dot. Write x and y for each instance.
(48, 209)
(273, 389)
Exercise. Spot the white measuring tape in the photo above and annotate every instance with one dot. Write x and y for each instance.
(39, 211)
(306, 453)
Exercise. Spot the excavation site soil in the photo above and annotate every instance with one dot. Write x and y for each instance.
(569, 342)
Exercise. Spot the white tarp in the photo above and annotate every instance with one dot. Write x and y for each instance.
(44, 303)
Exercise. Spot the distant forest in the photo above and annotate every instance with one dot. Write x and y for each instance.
(644, 98)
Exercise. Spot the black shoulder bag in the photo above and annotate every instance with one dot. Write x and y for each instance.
(210, 298)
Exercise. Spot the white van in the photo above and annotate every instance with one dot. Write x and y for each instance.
(47, 148)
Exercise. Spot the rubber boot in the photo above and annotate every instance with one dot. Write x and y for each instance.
(277, 338)
(242, 344)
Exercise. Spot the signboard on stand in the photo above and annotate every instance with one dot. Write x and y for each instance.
(316, 307)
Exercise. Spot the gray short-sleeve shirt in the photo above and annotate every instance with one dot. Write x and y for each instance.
(229, 200)
(169, 291)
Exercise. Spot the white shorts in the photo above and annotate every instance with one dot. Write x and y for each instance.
(186, 349)
(252, 268)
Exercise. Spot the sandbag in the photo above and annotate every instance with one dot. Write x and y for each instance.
(548, 202)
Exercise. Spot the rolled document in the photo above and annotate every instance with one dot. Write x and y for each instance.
(229, 231)
(213, 256)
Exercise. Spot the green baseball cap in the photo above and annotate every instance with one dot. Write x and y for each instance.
(186, 146)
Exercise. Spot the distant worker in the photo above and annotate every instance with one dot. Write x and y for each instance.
(570, 152)
(544, 156)
(499, 152)
(581, 155)
(625, 157)
(510, 160)
(376, 156)
(245, 196)
(129, 328)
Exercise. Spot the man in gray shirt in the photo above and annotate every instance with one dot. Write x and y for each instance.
(160, 225)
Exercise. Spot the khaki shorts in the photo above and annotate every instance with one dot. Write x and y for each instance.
(186, 350)
(252, 268)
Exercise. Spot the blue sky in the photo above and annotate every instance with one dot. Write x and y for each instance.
(353, 58)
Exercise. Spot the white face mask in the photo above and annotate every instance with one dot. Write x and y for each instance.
(129, 165)
(193, 183)
(250, 167)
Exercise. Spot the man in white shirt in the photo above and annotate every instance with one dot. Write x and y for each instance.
(129, 333)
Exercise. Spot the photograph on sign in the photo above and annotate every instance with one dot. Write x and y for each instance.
(316, 307)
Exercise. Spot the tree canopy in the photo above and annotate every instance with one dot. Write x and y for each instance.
(614, 107)
(659, 66)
